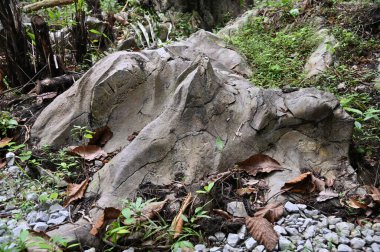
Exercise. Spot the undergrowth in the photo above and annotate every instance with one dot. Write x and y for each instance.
(278, 53)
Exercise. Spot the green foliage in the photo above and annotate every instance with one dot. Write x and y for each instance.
(219, 144)
(110, 6)
(81, 134)
(7, 123)
(277, 57)
(207, 188)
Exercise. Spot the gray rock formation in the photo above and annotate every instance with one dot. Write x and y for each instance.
(238, 24)
(182, 98)
(322, 57)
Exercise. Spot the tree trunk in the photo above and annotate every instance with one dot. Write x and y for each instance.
(19, 67)
(45, 55)
(80, 36)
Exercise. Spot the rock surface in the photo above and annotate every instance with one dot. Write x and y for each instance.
(322, 57)
(182, 98)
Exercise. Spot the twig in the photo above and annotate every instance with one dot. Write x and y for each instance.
(177, 223)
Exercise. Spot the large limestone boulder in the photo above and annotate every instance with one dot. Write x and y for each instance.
(180, 99)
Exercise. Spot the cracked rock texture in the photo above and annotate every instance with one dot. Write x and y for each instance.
(183, 97)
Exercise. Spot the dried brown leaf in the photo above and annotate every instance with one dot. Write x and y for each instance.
(109, 213)
(5, 141)
(260, 163)
(150, 210)
(262, 231)
(250, 182)
(271, 212)
(223, 214)
(101, 137)
(177, 223)
(75, 191)
(356, 204)
(375, 193)
(89, 152)
(3, 163)
(326, 195)
(319, 184)
(302, 184)
(245, 191)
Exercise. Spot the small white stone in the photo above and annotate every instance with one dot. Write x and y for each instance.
(357, 243)
(237, 209)
(280, 230)
(291, 208)
(200, 248)
(284, 243)
(233, 239)
(344, 248)
(250, 243)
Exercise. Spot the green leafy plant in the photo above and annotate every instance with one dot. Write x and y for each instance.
(81, 134)
(207, 188)
(219, 144)
(7, 122)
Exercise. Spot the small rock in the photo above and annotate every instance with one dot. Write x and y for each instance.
(40, 227)
(237, 209)
(344, 228)
(311, 213)
(291, 208)
(357, 243)
(215, 249)
(376, 238)
(220, 236)
(301, 206)
(242, 233)
(200, 248)
(90, 250)
(284, 243)
(21, 226)
(55, 208)
(212, 238)
(367, 231)
(229, 248)
(259, 248)
(291, 231)
(368, 240)
(42, 217)
(344, 240)
(98, 163)
(341, 86)
(31, 217)
(250, 243)
(332, 220)
(376, 227)
(280, 230)
(308, 245)
(332, 237)
(31, 197)
(57, 221)
(129, 250)
(14, 170)
(375, 247)
(344, 248)
(310, 232)
(64, 213)
(233, 239)
(10, 157)
(323, 250)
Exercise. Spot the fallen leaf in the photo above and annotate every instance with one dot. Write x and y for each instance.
(150, 210)
(262, 231)
(375, 193)
(75, 191)
(89, 152)
(5, 141)
(319, 184)
(260, 163)
(109, 213)
(272, 212)
(250, 182)
(302, 184)
(3, 163)
(245, 191)
(327, 195)
(356, 203)
(330, 182)
(177, 223)
(101, 137)
(223, 214)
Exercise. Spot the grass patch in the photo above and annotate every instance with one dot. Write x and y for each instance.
(277, 57)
